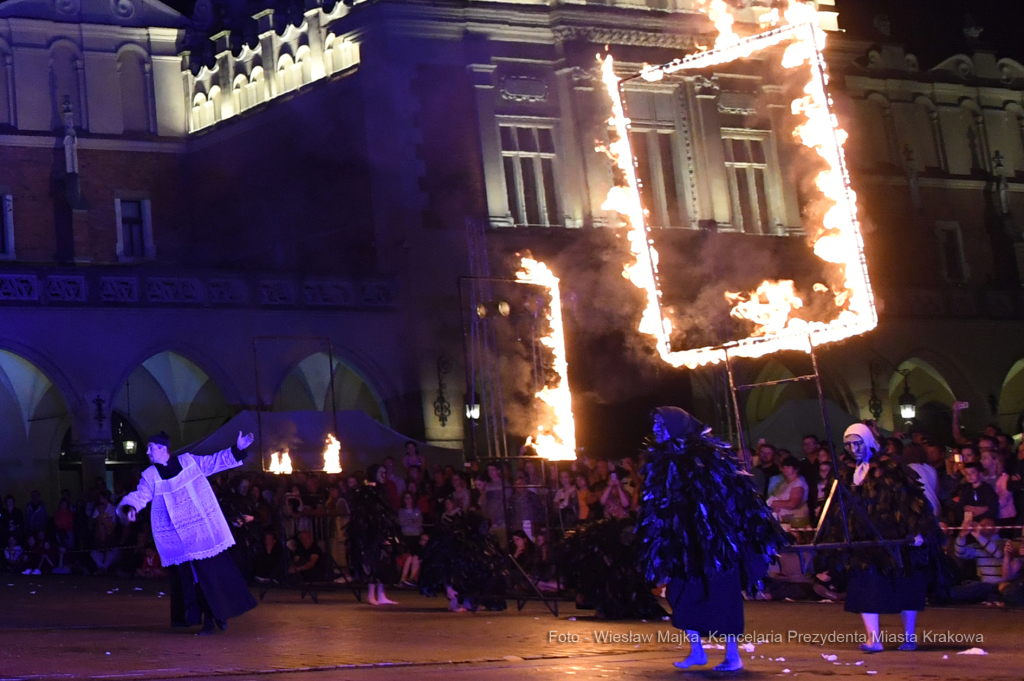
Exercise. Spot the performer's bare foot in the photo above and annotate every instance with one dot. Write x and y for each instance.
(697, 656)
(907, 647)
(221, 624)
(729, 665)
(870, 648)
(384, 600)
(208, 627)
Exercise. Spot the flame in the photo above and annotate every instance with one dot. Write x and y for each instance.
(280, 464)
(556, 439)
(772, 305)
(332, 455)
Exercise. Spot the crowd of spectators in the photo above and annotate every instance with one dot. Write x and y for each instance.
(294, 525)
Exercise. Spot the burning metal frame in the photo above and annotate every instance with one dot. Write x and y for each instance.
(838, 239)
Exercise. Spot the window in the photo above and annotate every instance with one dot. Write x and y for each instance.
(951, 252)
(7, 232)
(746, 167)
(134, 229)
(528, 158)
(654, 151)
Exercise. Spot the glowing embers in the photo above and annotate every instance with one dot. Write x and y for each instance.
(772, 306)
(332, 455)
(555, 438)
(280, 463)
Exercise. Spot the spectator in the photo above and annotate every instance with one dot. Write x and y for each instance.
(394, 479)
(821, 490)
(914, 455)
(64, 521)
(1011, 591)
(977, 497)
(566, 500)
(615, 500)
(994, 475)
(789, 500)
(308, 559)
(493, 501)
(268, 565)
(412, 456)
(988, 557)
(14, 555)
(524, 552)
(104, 541)
(584, 497)
(809, 465)
(13, 520)
(527, 509)
(35, 514)
(151, 566)
(766, 464)
(460, 493)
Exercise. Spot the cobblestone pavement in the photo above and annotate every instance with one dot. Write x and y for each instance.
(78, 628)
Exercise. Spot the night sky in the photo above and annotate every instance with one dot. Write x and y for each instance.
(933, 29)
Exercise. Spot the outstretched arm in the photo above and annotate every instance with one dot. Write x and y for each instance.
(136, 501)
(226, 458)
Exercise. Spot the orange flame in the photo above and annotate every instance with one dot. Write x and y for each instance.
(555, 439)
(280, 463)
(772, 305)
(332, 455)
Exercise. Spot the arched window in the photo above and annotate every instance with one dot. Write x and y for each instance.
(240, 93)
(304, 61)
(288, 76)
(257, 87)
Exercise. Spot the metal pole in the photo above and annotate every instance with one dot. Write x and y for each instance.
(828, 435)
(259, 413)
(469, 371)
(736, 409)
(334, 396)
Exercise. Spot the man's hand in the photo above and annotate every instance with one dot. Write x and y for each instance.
(244, 441)
(960, 406)
(128, 512)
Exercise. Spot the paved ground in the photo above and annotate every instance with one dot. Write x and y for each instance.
(79, 628)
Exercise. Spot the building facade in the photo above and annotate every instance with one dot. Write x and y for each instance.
(209, 213)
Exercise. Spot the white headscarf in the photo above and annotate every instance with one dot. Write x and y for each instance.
(870, 447)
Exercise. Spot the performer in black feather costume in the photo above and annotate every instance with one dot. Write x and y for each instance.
(599, 561)
(892, 498)
(464, 564)
(704, 530)
(372, 536)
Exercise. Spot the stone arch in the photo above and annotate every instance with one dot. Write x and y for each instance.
(975, 138)
(307, 387)
(257, 86)
(924, 135)
(133, 69)
(304, 62)
(1013, 152)
(1011, 399)
(170, 392)
(763, 401)
(875, 115)
(288, 75)
(934, 395)
(34, 417)
(7, 116)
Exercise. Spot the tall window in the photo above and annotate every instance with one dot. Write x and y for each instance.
(528, 156)
(654, 151)
(951, 252)
(746, 167)
(134, 231)
(7, 230)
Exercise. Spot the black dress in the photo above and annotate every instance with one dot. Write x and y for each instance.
(212, 586)
(373, 536)
(892, 499)
(702, 527)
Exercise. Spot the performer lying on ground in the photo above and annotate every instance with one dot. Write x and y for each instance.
(704, 530)
(893, 498)
(191, 534)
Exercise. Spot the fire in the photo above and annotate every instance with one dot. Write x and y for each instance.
(280, 464)
(772, 305)
(555, 440)
(332, 455)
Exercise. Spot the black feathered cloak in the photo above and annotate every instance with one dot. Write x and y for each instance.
(892, 499)
(470, 562)
(599, 562)
(699, 515)
(373, 535)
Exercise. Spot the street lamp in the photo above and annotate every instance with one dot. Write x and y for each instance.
(875, 404)
(129, 447)
(908, 403)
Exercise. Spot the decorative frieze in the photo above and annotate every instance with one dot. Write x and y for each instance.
(18, 287)
(119, 289)
(173, 290)
(65, 289)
